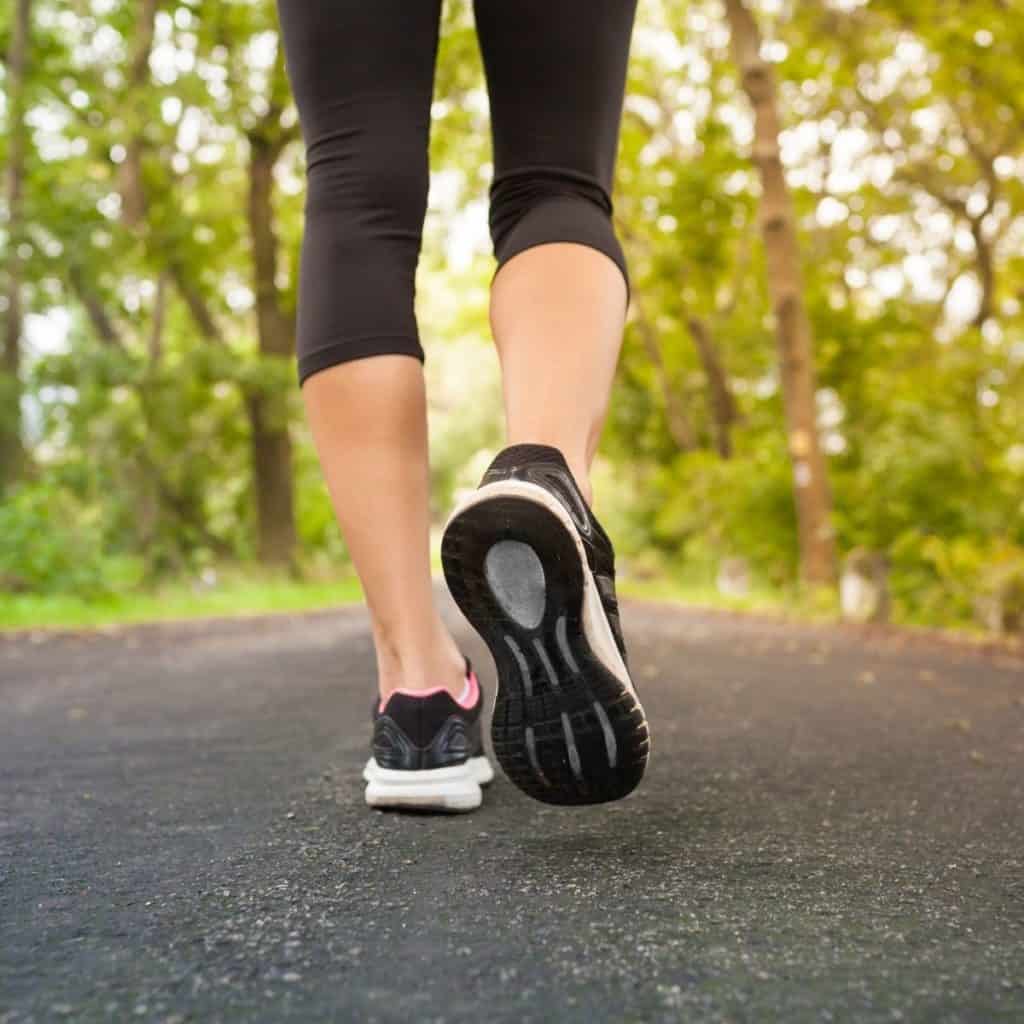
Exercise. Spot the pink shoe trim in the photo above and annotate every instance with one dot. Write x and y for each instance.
(474, 692)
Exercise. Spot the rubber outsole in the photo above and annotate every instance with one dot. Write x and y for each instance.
(567, 727)
(456, 788)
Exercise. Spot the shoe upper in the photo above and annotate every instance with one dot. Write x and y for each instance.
(546, 465)
(432, 731)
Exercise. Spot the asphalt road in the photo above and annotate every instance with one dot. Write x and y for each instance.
(832, 829)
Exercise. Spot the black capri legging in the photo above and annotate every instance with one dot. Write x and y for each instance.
(362, 73)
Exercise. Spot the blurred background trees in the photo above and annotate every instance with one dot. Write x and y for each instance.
(823, 207)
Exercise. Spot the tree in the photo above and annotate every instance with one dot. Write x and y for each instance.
(12, 453)
(792, 324)
(267, 406)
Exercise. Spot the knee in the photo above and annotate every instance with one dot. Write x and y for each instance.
(365, 203)
(379, 187)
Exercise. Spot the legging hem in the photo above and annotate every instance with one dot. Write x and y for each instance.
(347, 349)
(612, 252)
(563, 218)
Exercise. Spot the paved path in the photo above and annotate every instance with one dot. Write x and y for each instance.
(832, 828)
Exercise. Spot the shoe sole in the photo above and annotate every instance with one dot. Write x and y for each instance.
(456, 788)
(567, 727)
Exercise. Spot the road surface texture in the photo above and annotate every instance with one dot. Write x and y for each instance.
(831, 829)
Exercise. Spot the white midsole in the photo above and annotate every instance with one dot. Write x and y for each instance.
(595, 623)
(478, 769)
(455, 788)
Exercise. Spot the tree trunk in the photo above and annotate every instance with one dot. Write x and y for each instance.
(155, 343)
(792, 325)
(679, 427)
(130, 183)
(272, 478)
(268, 419)
(986, 273)
(723, 405)
(104, 327)
(12, 452)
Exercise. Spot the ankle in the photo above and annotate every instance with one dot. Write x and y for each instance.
(419, 666)
(581, 474)
(579, 466)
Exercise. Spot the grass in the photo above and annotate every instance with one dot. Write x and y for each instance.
(249, 596)
(234, 596)
(240, 593)
(821, 606)
(789, 603)
(666, 588)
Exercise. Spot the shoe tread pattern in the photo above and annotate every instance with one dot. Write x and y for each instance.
(565, 729)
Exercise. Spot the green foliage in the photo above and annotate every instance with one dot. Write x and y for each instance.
(50, 543)
(903, 149)
(698, 509)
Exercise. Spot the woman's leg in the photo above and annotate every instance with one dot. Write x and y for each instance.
(556, 73)
(557, 313)
(362, 76)
(368, 418)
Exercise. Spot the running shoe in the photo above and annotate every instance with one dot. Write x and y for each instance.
(428, 751)
(534, 573)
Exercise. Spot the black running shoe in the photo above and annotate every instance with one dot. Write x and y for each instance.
(533, 571)
(428, 751)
